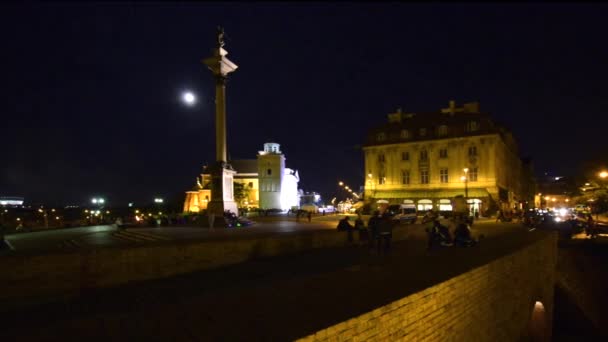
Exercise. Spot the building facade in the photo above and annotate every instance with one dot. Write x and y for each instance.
(264, 183)
(429, 158)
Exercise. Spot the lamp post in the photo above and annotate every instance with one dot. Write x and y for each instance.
(466, 181)
(369, 179)
(603, 174)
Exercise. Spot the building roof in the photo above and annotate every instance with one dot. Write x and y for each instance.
(405, 127)
(245, 165)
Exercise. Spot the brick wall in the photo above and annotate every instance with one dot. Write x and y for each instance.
(491, 303)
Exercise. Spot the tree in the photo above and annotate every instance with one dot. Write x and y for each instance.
(241, 193)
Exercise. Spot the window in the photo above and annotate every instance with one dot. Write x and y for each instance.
(251, 184)
(424, 155)
(443, 153)
(472, 126)
(381, 158)
(269, 172)
(405, 156)
(472, 151)
(473, 175)
(422, 132)
(442, 130)
(443, 174)
(381, 178)
(424, 177)
(381, 136)
(405, 134)
(405, 177)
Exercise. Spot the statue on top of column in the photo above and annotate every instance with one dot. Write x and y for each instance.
(220, 36)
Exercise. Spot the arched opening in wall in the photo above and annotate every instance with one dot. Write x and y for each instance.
(537, 327)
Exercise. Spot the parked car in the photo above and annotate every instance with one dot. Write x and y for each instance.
(405, 213)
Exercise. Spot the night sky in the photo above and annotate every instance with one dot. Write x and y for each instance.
(90, 93)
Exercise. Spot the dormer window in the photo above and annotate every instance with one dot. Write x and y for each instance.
(422, 132)
(442, 130)
(405, 134)
(381, 136)
(472, 126)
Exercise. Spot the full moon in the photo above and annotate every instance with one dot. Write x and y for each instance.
(189, 98)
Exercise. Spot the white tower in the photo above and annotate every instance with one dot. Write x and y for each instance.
(271, 170)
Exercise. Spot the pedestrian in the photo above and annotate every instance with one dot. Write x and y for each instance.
(372, 227)
(476, 214)
(211, 220)
(590, 227)
(499, 216)
(309, 216)
(360, 227)
(385, 225)
(344, 225)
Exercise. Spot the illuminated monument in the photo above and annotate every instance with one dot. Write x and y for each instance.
(222, 174)
(267, 182)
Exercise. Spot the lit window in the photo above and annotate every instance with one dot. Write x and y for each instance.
(381, 178)
(473, 175)
(405, 177)
(443, 174)
(472, 151)
(424, 155)
(405, 156)
(422, 132)
(443, 153)
(424, 177)
(405, 134)
(381, 136)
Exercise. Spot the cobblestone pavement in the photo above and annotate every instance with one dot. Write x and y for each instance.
(273, 299)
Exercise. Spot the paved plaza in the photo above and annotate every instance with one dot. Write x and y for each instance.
(279, 298)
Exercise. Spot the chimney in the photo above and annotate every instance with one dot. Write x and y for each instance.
(396, 117)
(472, 107)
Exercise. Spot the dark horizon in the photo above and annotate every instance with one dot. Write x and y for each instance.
(91, 92)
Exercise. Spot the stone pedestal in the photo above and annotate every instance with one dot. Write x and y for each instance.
(222, 191)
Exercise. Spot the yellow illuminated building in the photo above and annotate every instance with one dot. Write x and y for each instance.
(428, 158)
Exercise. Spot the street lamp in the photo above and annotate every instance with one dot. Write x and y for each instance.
(466, 181)
(340, 183)
(158, 200)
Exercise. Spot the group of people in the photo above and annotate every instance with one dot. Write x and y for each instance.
(379, 231)
(440, 236)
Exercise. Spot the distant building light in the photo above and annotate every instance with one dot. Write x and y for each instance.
(130, 205)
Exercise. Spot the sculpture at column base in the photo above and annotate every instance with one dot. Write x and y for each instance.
(222, 191)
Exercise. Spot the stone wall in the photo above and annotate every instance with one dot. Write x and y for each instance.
(35, 277)
(494, 302)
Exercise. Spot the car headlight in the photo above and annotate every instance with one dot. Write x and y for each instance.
(558, 219)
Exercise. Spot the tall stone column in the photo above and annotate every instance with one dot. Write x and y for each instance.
(222, 174)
